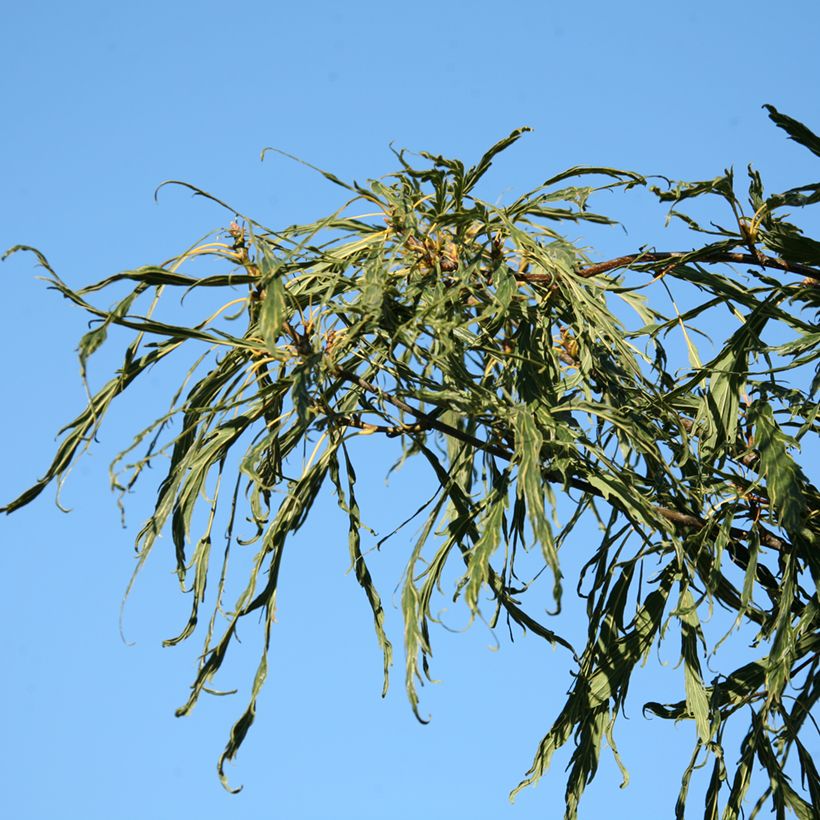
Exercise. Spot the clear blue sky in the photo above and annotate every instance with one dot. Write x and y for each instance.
(101, 102)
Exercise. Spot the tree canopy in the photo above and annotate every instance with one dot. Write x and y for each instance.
(546, 391)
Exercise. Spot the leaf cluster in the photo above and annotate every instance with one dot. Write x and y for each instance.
(546, 394)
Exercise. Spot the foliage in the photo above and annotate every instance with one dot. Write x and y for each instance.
(538, 386)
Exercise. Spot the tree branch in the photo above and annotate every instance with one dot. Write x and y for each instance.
(767, 538)
(668, 257)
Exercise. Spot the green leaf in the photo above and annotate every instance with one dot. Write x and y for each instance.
(697, 701)
(478, 568)
(530, 486)
(505, 287)
(784, 480)
(796, 130)
(722, 186)
(787, 241)
(273, 312)
(349, 505)
(477, 171)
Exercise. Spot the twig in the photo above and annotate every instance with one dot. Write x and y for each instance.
(663, 258)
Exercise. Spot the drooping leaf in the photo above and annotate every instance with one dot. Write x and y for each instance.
(796, 130)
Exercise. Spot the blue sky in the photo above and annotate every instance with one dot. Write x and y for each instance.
(102, 102)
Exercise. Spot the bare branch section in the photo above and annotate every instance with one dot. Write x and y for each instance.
(481, 341)
(664, 259)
